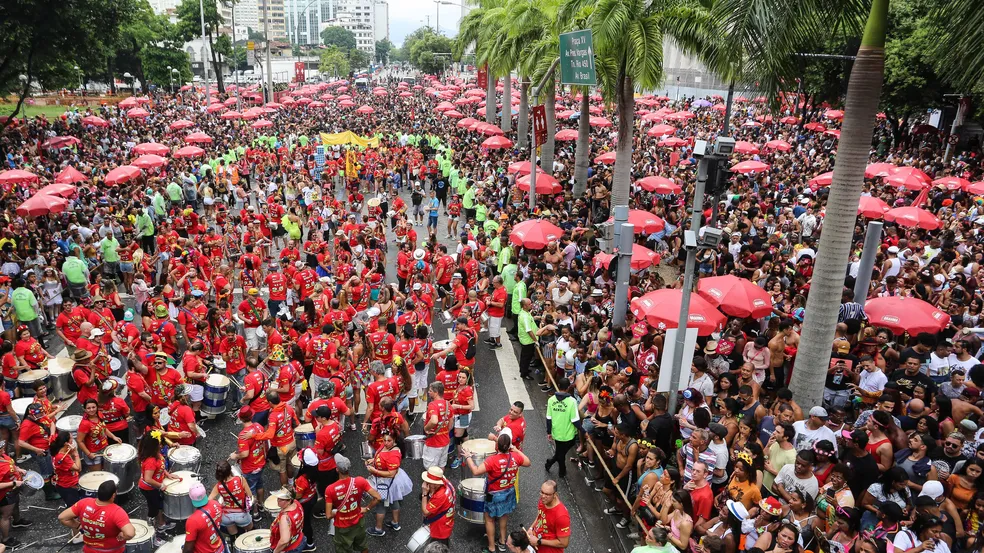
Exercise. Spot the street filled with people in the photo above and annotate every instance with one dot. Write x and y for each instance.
(178, 267)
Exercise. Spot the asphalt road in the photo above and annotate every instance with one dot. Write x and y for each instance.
(497, 386)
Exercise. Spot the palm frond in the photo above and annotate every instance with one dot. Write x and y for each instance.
(961, 45)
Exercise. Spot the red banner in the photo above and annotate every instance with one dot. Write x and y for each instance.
(483, 77)
(540, 124)
(299, 71)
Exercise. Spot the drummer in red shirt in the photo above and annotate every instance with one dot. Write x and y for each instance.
(182, 417)
(287, 530)
(28, 350)
(152, 476)
(343, 507)
(277, 283)
(202, 528)
(104, 525)
(93, 436)
(67, 467)
(85, 376)
(114, 411)
(251, 453)
(437, 504)
(35, 436)
(280, 432)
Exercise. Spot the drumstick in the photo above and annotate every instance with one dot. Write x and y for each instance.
(70, 540)
(39, 507)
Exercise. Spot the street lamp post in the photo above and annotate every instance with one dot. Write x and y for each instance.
(174, 71)
(297, 27)
(235, 60)
(133, 82)
(438, 6)
(81, 86)
(205, 45)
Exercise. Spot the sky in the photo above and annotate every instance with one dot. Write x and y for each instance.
(406, 16)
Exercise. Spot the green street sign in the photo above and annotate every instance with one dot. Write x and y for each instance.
(577, 58)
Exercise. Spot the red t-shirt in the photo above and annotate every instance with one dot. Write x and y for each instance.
(442, 410)
(100, 525)
(501, 470)
(461, 340)
(254, 449)
(257, 382)
(95, 435)
(65, 474)
(551, 524)
(295, 524)
(35, 434)
(30, 350)
(251, 313)
(156, 466)
(380, 389)
(518, 429)
(182, 417)
(498, 296)
(450, 381)
(277, 283)
(235, 352)
(9, 364)
(382, 346)
(135, 383)
(200, 531)
(325, 440)
(349, 513)
(442, 502)
(461, 397)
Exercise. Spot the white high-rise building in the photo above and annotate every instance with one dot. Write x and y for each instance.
(304, 18)
(358, 17)
(164, 7)
(381, 21)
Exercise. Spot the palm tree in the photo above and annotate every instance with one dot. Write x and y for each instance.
(481, 28)
(961, 44)
(861, 106)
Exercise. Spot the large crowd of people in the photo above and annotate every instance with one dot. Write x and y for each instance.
(257, 247)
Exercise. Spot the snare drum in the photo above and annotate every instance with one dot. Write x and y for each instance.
(419, 539)
(176, 545)
(177, 502)
(143, 538)
(32, 482)
(441, 346)
(116, 366)
(184, 457)
(121, 460)
(26, 380)
(471, 500)
(59, 373)
(70, 424)
(121, 389)
(295, 462)
(216, 390)
(21, 404)
(304, 436)
(478, 449)
(89, 482)
(254, 541)
(415, 446)
(272, 506)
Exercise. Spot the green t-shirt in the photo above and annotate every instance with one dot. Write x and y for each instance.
(74, 269)
(655, 549)
(468, 200)
(446, 167)
(109, 247)
(24, 304)
(505, 256)
(159, 204)
(518, 294)
(779, 458)
(525, 324)
(482, 215)
(145, 224)
(303, 140)
(174, 192)
(509, 277)
(562, 415)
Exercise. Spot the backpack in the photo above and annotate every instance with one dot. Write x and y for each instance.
(470, 349)
(73, 386)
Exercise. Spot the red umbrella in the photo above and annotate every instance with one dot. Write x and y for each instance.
(232, 114)
(789, 120)
(496, 142)
(674, 142)
(273, 105)
(822, 180)
(744, 147)
(545, 184)
(64, 190)
(180, 124)
(780, 145)
(489, 129)
(661, 309)
(566, 135)
(913, 217)
(128, 103)
(189, 151)
(151, 148)
(606, 158)
(148, 161)
(522, 168)
(735, 296)
(95, 121)
(909, 178)
(599, 122)
(122, 174)
(642, 258)
(872, 207)
(70, 175)
(138, 113)
(42, 204)
(952, 183)
(833, 132)
(57, 142)
(215, 108)
(454, 114)
(535, 234)
(874, 170)
(365, 110)
(253, 113)
(749, 166)
(976, 188)
(659, 185)
(466, 122)
(834, 114)
(661, 130)
(644, 221)
(901, 314)
(815, 127)
(262, 124)
(198, 137)
(17, 176)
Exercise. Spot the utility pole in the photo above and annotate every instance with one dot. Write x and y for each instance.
(235, 60)
(205, 48)
(266, 33)
(536, 94)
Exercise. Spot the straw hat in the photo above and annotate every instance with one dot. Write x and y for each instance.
(433, 475)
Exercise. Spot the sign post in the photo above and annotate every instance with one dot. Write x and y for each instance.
(299, 71)
(483, 77)
(539, 123)
(577, 66)
(250, 53)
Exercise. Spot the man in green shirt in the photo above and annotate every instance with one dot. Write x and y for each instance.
(26, 307)
(110, 255)
(77, 274)
(528, 332)
(563, 422)
(468, 202)
(656, 538)
(505, 254)
(175, 194)
(518, 295)
(145, 227)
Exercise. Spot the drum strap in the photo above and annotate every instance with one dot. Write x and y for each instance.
(232, 496)
(214, 526)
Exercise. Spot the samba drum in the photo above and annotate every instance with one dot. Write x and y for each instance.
(121, 389)
(143, 538)
(26, 380)
(32, 482)
(479, 450)
(70, 424)
(415, 446)
(216, 390)
(184, 457)
(176, 545)
(21, 404)
(177, 502)
(121, 460)
(89, 482)
(271, 506)
(471, 500)
(441, 346)
(295, 462)
(116, 367)
(254, 541)
(419, 539)
(304, 436)
(59, 374)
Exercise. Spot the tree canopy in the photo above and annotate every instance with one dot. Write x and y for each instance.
(427, 50)
(334, 62)
(383, 49)
(337, 36)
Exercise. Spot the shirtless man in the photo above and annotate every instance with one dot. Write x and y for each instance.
(746, 378)
(553, 256)
(785, 338)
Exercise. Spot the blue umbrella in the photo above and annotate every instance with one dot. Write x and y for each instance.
(702, 103)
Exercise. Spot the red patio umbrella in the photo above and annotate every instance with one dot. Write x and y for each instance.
(261, 124)
(901, 314)
(148, 161)
(661, 130)
(17, 176)
(780, 145)
(122, 174)
(198, 138)
(659, 185)
(128, 103)
(599, 122)
(909, 178)
(644, 221)
(749, 166)
(466, 122)
(57, 142)
(365, 110)
(522, 168)
(674, 142)
(180, 124)
(64, 190)
(834, 114)
(454, 114)
(138, 113)
(535, 234)
(661, 309)
(822, 180)
(566, 135)
(607, 158)
(273, 105)
(913, 217)
(976, 188)
(70, 175)
(42, 204)
(735, 296)
(642, 258)
(789, 120)
(875, 170)
(545, 184)
(151, 148)
(496, 142)
(489, 130)
(253, 113)
(872, 207)
(745, 147)
(216, 108)
(189, 151)
(231, 114)
(815, 127)
(952, 183)
(95, 121)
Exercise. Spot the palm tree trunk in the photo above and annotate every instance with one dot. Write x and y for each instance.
(506, 120)
(861, 105)
(490, 100)
(727, 108)
(547, 151)
(623, 145)
(523, 125)
(583, 151)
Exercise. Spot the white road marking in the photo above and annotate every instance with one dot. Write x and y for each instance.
(509, 369)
